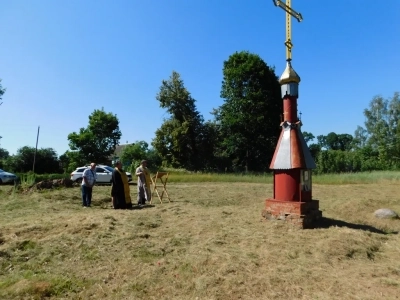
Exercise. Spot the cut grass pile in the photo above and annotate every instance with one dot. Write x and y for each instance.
(209, 243)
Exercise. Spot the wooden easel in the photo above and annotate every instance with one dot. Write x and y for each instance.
(160, 176)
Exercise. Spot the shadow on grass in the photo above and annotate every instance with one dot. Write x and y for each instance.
(328, 222)
(143, 206)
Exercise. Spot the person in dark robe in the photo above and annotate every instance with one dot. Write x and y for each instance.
(120, 191)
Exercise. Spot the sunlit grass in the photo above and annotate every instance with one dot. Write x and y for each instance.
(343, 178)
(27, 179)
(356, 178)
(213, 177)
(210, 242)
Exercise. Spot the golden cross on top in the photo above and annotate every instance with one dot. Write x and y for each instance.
(289, 13)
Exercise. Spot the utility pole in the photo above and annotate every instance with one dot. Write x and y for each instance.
(34, 157)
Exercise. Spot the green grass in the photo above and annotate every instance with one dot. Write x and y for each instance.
(184, 176)
(357, 178)
(31, 178)
(27, 179)
(343, 178)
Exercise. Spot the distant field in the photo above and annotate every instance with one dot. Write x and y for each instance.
(209, 243)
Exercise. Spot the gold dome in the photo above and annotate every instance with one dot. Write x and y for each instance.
(289, 75)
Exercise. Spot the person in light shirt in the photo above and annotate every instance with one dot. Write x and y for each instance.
(143, 183)
(88, 181)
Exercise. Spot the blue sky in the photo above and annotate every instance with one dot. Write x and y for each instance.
(61, 60)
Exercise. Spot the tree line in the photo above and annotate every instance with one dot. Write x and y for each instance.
(376, 146)
(241, 137)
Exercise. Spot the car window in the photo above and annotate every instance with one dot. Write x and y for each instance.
(109, 169)
(100, 170)
(81, 170)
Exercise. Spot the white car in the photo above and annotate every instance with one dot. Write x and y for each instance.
(103, 174)
(6, 177)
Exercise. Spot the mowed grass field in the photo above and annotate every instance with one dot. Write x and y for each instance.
(209, 243)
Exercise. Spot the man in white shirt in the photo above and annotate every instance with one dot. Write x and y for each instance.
(88, 181)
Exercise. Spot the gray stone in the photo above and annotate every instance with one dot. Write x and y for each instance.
(386, 213)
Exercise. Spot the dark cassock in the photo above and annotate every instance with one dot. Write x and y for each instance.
(120, 191)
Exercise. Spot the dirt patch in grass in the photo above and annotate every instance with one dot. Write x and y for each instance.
(209, 243)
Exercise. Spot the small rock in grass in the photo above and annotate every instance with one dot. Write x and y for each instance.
(386, 213)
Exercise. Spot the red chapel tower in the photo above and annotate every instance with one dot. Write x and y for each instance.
(292, 162)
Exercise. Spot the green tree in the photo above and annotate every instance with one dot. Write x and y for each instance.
(154, 159)
(345, 141)
(308, 136)
(2, 91)
(383, 127)
(212, 154)
(250, 115)
(337, 161)
(334, 141)
(22, 161)
(4, 153)
(46, 161)
(315, 149)
(64, 161)
(97, 142)
(322, 141)
(360, 137)
(134, 153)
(71, 160)
(178, 140)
